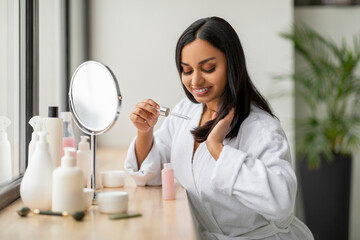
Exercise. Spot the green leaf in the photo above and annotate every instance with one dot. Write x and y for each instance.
(329, 86)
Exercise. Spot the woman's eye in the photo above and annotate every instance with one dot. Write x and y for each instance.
(187, 72)
(209, 70)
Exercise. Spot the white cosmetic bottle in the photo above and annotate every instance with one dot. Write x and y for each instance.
(84, 158)
(35, 189)
(68, 188)
(54, 126)
(5, 151)
(35, 123)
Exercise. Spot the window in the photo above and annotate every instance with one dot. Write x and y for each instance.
(28, 71)
(18, 94)
(9, 91)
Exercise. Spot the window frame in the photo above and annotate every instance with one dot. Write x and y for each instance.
(29, 90)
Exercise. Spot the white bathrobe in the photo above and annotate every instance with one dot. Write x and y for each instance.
(248, 193)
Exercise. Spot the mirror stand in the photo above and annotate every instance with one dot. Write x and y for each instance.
(93, 167)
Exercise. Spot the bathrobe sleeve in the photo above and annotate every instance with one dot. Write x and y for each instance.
(150, 170)
(258, 171)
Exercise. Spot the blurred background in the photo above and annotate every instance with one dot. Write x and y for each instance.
(136, 40)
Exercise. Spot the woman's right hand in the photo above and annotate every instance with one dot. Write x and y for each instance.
(145, 115)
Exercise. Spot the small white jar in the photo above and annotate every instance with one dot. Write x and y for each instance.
(113, 179)
(113, 202)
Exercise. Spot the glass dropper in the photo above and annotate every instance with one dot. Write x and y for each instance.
(165, 111)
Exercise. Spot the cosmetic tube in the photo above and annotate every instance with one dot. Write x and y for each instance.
(54, 128)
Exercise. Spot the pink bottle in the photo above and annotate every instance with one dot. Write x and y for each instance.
(168, 185)
(68, 134)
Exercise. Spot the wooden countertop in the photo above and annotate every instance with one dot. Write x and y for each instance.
(160, 219)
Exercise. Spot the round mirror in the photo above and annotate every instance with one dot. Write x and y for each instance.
(95, 98)
(95, 102)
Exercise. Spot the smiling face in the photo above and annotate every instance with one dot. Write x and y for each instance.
(204, 71)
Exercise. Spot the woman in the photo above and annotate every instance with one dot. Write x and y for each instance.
(232, 157)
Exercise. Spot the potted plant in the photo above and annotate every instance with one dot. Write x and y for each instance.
(328, 87)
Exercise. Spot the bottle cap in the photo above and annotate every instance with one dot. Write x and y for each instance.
(68, 160)
(167, 165)
(66, 116)
(35, 123)
(83, 144)
(53, 111)
(164, 111)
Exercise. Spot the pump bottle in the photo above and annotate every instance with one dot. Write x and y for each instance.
(67, 193)
(168, 185)
(5, 151)
(84, 158)
(35, 189)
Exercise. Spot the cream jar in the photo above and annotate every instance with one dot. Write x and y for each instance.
(113, 179)
(113, 202)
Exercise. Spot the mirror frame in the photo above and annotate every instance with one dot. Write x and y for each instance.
(76, 118)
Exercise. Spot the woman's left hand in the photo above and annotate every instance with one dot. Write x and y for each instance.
(218, 134)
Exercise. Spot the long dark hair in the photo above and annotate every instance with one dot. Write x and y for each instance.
(239, 92)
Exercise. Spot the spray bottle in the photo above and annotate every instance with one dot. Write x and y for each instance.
(5, 151)
(36, 185)
(36, 123)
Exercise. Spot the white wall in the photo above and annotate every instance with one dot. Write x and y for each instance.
(340, 24)
(137, 39)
